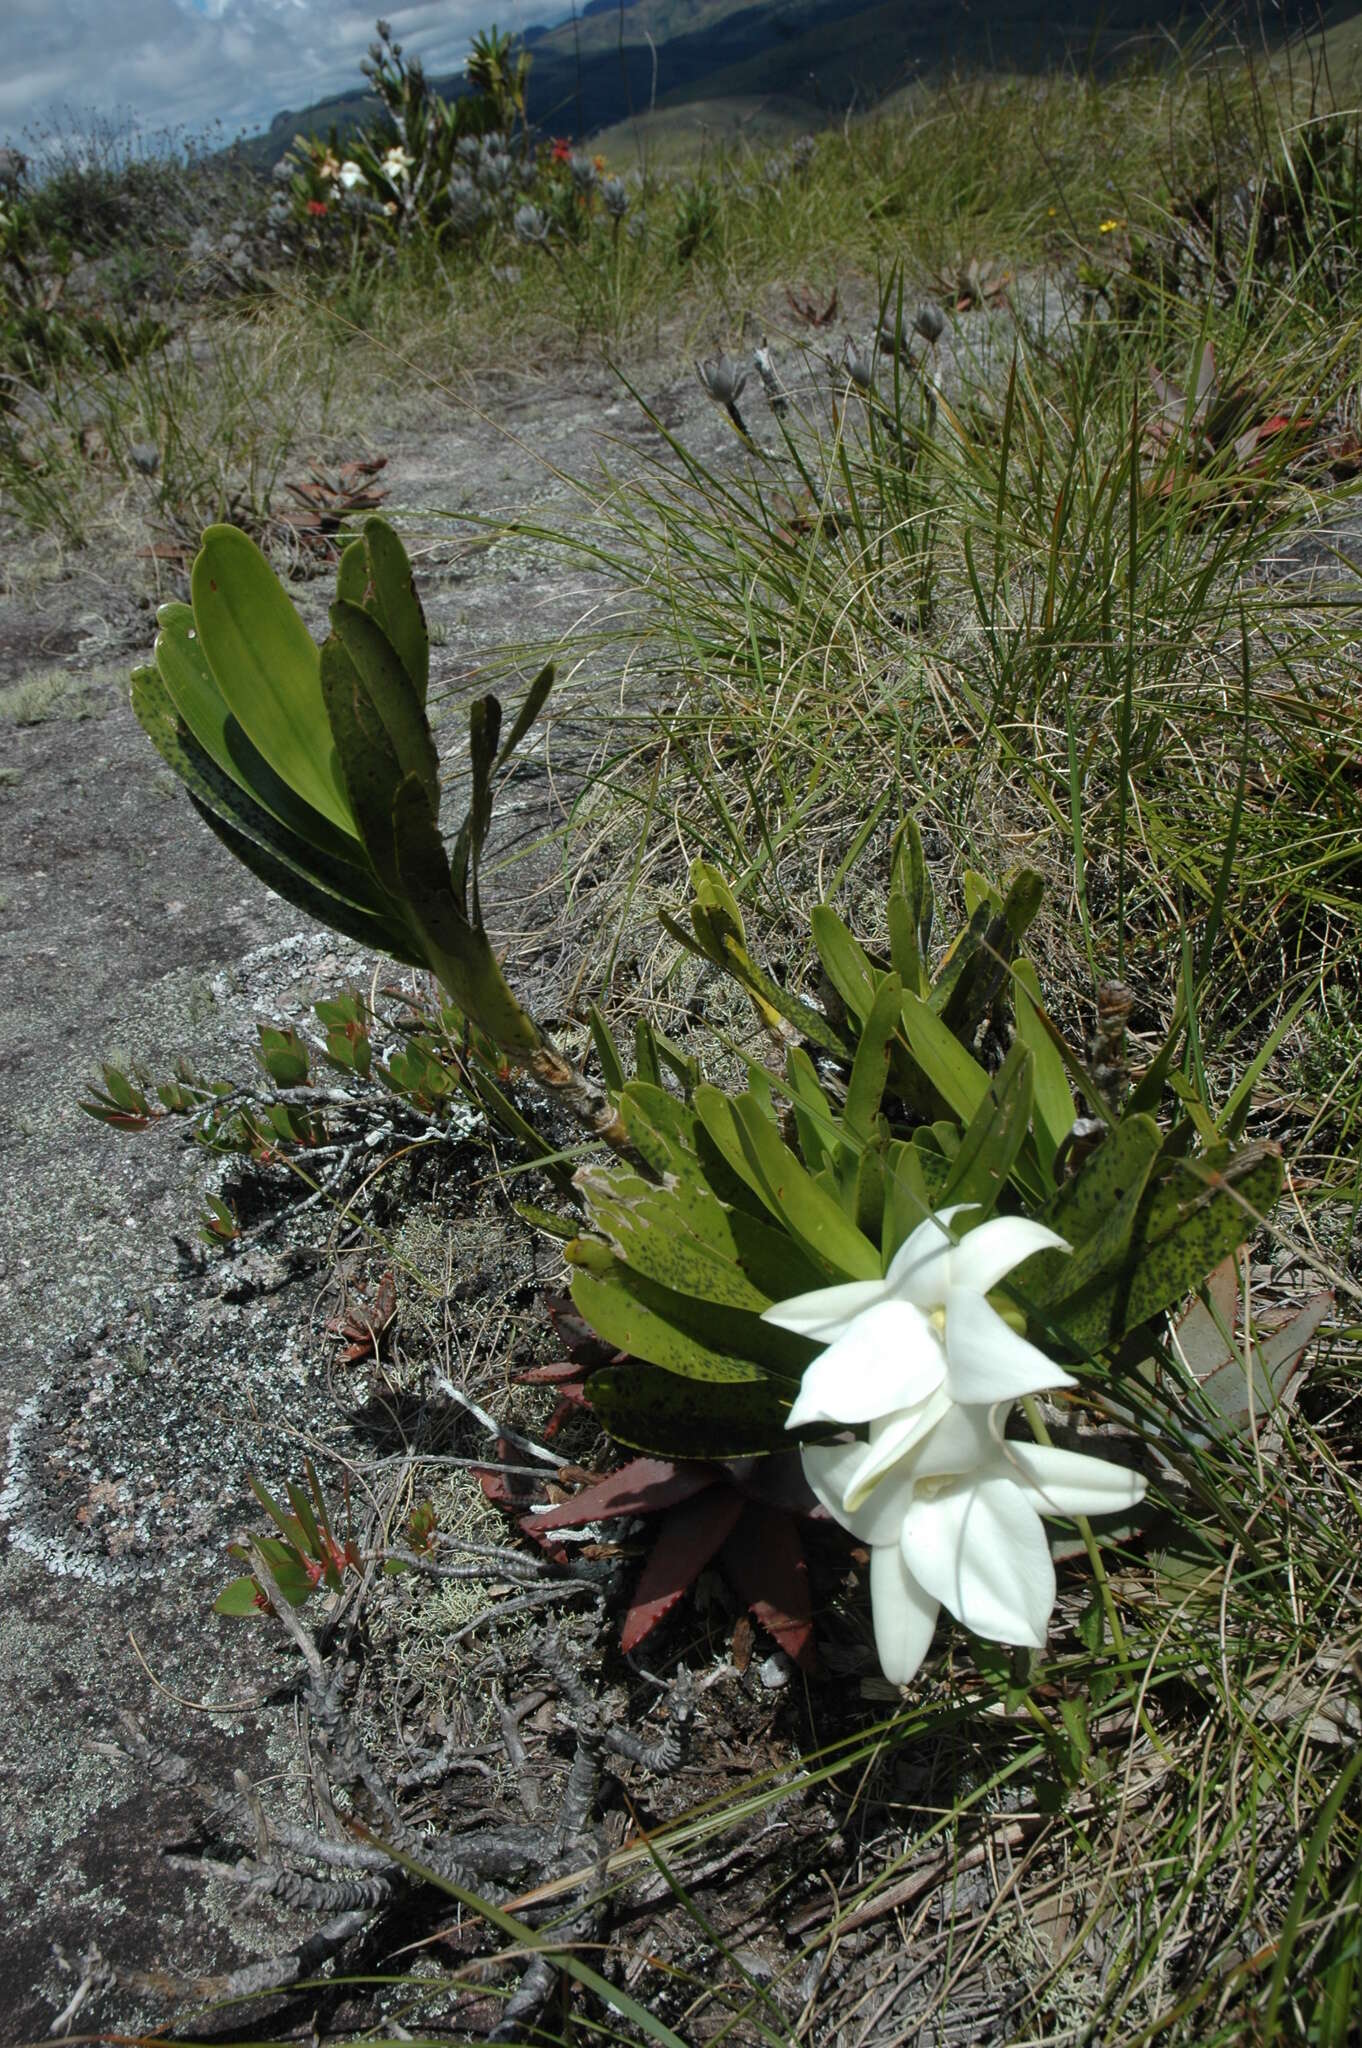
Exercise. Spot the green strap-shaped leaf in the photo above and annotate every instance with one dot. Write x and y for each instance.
(904, 949)
(870, 1068)
(908, 878)
(661, 1129)
(845, 961)
(395, 603)
(812, 1216)
(867, 1195)
(369, 767)
(461, 955)
(392, 693)
(907, 1200)
(535, 698)
(1075, 1283)
(1054, 1105)
(772, 1002)
(648, 1410)
(958, 958)
(954, 1074)
(200, 703)
(382, 935)
(1025, 894)
(267, 666)
(714, 910)
(217, 796)
(692, 1338)
(1191, 1222)
(647, 1060)
(815, 1119)
(607, 1052)
(994, 1136)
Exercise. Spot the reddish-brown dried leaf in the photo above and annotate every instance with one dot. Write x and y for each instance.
(687, 1540)
(549, 1375)
(764, 1561)
(642, 1487)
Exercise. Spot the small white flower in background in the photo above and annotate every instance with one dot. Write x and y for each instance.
(951, 1512)
(350, 174)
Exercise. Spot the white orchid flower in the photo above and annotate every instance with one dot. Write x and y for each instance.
(396, 164)
(954, 1522)
(351, 175)
(903, 1350)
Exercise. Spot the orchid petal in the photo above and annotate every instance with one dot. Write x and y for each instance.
(1060, 1482)
(965, 1441)
(831, 1470)
(920, 1269)
(889, 1358)
(826, 1313)
(987, 1361)
(979, 1548)
(892, 1439)
(905, 1616)
(990, 1252)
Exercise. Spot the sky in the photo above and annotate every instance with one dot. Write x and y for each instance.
(187, 64)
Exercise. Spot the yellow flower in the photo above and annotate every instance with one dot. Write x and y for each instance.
(1109, 227)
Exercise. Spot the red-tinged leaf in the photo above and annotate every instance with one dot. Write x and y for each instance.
(642, 1487)
(581, 1340)
(550, 1375)
(687, 1540)
(776, 1482)
(764, 1561)
(514, 1491)
(570, 1399)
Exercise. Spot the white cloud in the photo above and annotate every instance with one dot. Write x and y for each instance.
(192, 64)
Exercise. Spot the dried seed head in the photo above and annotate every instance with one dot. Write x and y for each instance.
(721, 378)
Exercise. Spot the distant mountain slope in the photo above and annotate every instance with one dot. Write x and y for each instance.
(622, 56)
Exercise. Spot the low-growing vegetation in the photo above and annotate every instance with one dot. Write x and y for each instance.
(986, 847)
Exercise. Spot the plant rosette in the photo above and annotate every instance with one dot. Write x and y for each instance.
(948, 1505)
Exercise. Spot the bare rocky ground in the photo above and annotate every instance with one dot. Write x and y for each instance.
(140, 1381)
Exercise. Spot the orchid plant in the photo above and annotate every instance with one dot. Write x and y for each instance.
(879, 1236)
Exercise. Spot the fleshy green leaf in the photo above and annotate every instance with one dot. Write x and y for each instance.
(266, 665)
(241, 1597)
(195, 697)
(845, 961)
(954, 1074)
(653, 1411)
(684, 1335)
(994, 1137)
(392, 694)
(812, 1216)
(390, 596)
(870, 1068)
(1054, 1105)
(683, 1237)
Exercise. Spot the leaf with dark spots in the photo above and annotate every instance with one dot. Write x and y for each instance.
(642, 1487)
(688, 1539)
(764, 1562)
